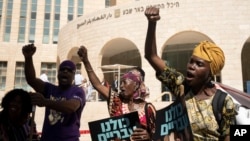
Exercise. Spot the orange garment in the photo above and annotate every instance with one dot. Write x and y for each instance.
(212, 53)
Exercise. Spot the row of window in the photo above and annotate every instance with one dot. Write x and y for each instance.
(32, 23)
(19, 78)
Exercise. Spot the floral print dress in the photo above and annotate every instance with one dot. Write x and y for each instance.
(200, 112)
(146, 114)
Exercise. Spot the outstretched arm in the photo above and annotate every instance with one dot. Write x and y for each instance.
(155, 61)
(64, 106)
(103, 90)
(29, 70)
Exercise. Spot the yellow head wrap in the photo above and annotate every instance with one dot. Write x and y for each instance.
(211, 53)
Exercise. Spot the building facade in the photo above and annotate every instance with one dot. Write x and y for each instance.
(114, 32)
(116, 35)
(38, 22)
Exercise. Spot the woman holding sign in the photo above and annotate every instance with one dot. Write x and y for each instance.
(131, 98)
(206, 61)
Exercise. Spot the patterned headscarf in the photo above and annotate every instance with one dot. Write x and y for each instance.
(136, 76)
(211, 53)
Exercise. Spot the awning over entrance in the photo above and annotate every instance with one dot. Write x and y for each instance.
(116, 68)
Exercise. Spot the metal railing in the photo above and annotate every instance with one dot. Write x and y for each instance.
(93, 96)
(162, 94)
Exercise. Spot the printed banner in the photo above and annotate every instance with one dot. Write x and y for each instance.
(173, 119)
(114, 127)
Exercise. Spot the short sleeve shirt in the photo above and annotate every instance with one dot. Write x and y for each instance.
(58, 125)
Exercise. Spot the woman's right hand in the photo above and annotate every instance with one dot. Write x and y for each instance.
(140, 134)
(83, 53)
(29, 50)
(152, 13)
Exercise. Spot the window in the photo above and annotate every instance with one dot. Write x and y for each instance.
(56, 24)
(7, 29)
(109, 3)
(1, 10)
(10, 4)
(70, 17)
(57, 7)
(78, 67)
(55, 36)
(33, 15)
(51, 69)
(47, 6)
(3, 71)
(20, 80)
(57, 17)
(47, 16)
(32, 30)
(80, 8)
(34, 5)
(45, 39)
(24, 5)
(46, 26)
(58, 2)
(70, 10)
(6, 37)
(22, 21)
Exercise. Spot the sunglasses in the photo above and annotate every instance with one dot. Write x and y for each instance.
(66, 69)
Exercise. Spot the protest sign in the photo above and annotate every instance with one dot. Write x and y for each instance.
(114, 127)
(173, 119)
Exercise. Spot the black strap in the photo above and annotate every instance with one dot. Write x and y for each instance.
(217, 103)
(147, 105)
(146, 113)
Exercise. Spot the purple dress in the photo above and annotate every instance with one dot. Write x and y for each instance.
(59, 126)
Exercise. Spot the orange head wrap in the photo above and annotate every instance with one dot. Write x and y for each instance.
(211, 53)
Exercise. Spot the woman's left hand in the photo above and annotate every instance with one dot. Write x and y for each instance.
(140, 134)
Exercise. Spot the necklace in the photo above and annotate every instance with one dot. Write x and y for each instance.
(203, 95)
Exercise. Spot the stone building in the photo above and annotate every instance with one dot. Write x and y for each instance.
(38, 22)
(114, 32)
(116, 35)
